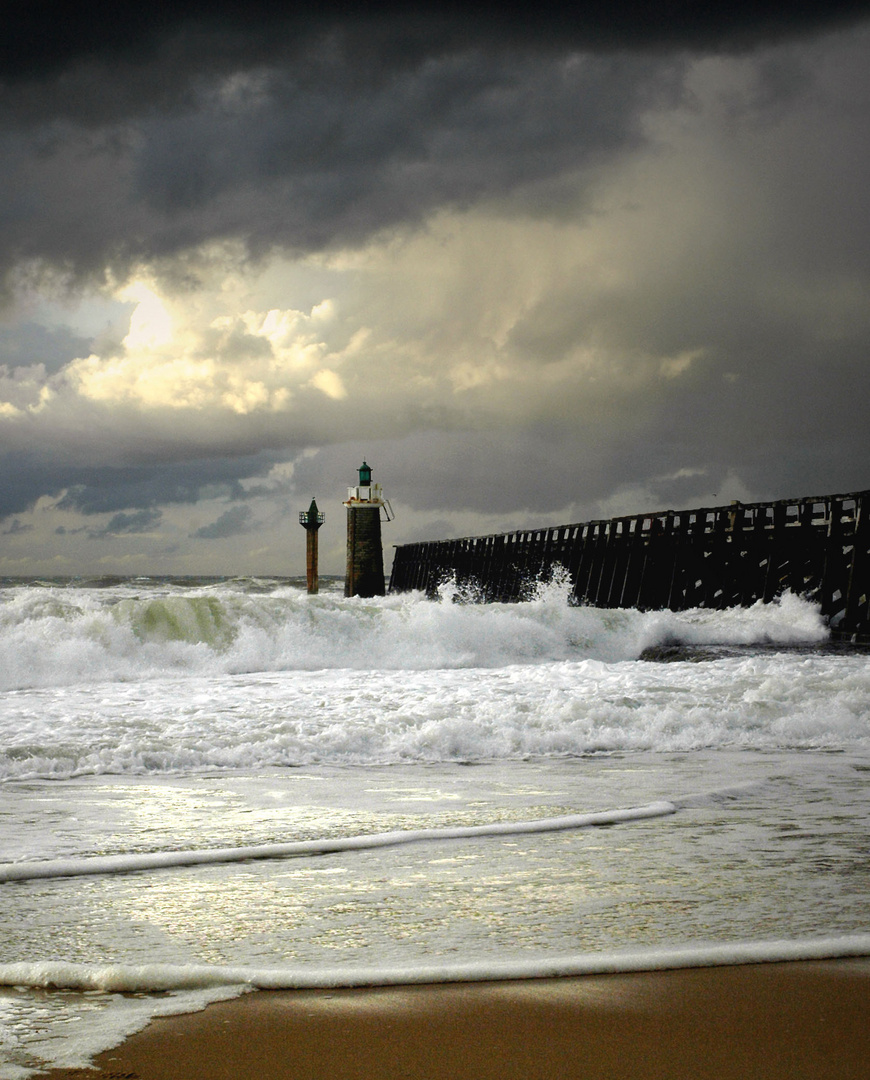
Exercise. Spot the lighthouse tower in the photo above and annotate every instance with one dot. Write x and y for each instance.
(365, 553)
(311, 520)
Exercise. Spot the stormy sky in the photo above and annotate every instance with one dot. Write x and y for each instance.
(537, 264)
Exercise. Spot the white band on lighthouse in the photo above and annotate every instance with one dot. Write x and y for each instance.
(369, 496)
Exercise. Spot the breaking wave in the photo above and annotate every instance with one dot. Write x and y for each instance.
(52, 636)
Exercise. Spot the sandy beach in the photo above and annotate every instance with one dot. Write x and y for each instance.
(784, 1021)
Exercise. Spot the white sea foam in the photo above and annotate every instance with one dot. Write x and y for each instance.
(158, 978)
(67, 1030)
(118, 1000)
(172, 723)
(158, 860)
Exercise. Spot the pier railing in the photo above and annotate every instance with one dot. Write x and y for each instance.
(717, 557)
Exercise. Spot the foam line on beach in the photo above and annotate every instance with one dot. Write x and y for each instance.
(156, 860)
(160, 978)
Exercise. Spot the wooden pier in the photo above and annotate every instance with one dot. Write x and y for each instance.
(719, 557)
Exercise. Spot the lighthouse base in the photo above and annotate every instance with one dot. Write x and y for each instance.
(365, 552)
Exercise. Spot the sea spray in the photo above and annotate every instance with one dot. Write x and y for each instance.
(58, 637)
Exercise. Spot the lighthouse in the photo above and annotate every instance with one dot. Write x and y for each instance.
(311, 520)
(365, 553)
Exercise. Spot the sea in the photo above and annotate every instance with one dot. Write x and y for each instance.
(212, 786)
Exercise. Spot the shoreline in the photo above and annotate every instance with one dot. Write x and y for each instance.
(794, 1020)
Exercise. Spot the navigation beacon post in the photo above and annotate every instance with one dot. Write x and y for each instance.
(311, 520)
(365, 553)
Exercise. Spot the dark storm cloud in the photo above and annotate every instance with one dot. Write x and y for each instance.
(312, 165)
(44, 37)
(232, 522)
(331, 166)
(130, 132)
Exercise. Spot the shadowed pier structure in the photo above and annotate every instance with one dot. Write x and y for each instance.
(719, 557)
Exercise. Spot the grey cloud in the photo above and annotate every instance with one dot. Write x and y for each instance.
(29, 343)
(108, 490)
(179, 482)
(232, 522)
(495, 472)
(139, 522)
(16, 527)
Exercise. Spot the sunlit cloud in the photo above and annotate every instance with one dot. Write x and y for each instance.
(177, 357)
(329, 382)
(150, 322)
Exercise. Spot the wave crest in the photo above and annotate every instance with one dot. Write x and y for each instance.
(57, 637)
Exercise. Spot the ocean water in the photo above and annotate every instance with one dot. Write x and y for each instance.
(209, 786)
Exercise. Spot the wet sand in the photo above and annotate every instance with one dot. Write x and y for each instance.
(791, 1021)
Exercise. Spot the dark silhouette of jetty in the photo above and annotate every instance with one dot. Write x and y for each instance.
(718, 557)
